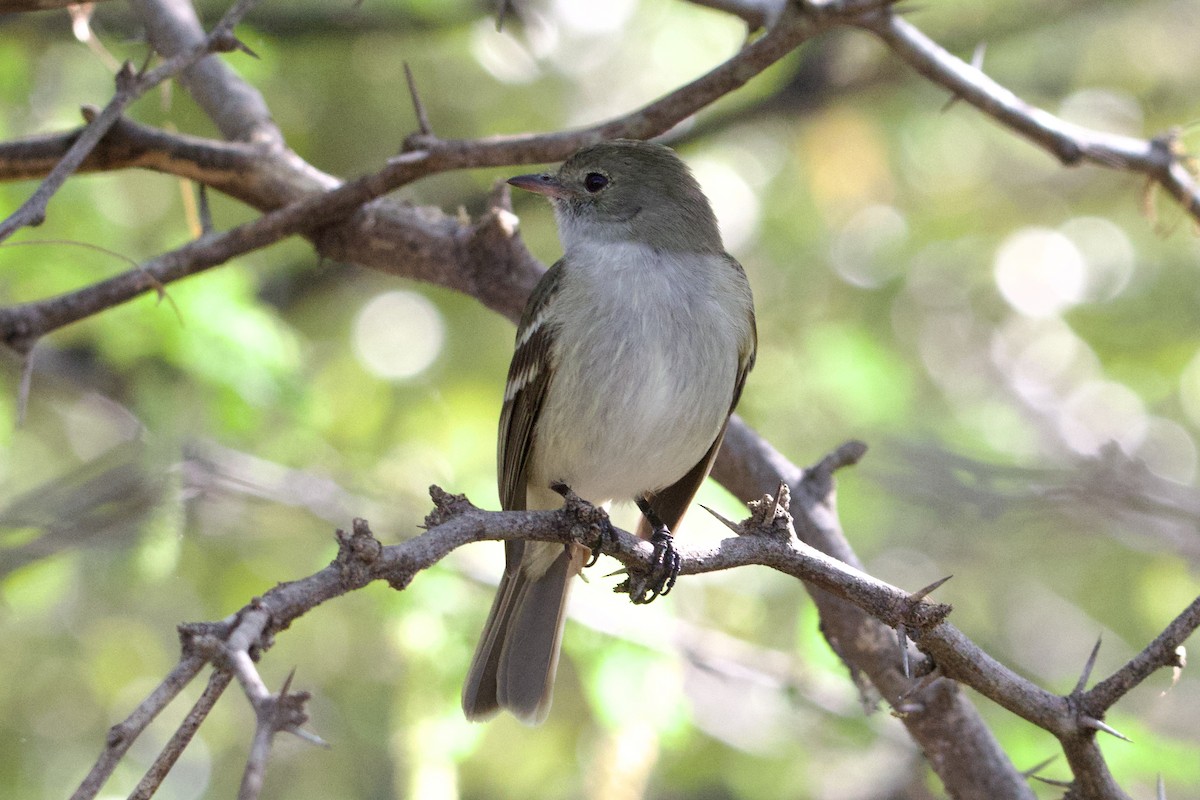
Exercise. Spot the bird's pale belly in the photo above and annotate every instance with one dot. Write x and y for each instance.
(644, 435)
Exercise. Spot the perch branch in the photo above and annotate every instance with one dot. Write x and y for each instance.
(766, 539)
(1162, 652)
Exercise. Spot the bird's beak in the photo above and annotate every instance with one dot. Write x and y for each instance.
(542, 183)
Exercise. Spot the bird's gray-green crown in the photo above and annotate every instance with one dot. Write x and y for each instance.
(628, 190)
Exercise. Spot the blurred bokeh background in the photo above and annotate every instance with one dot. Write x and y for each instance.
(1018, 342)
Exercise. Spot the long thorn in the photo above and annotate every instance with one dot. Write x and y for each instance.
(779, 494)
(733, 526)
(242, 47)
(921, 594)
(1036, 768)
(1088, 667)
(920, 686)
(977, 56)
(1095, 724)
(310, 737)
(24, 386)
(501, 14)
(418, 106)
(287, 683)
(977, 63)
(204, 212)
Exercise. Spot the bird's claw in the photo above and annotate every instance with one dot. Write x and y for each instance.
(664, 566)
(602, 536)
(664, 570)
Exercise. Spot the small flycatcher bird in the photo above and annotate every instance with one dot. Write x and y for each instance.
(630, 356)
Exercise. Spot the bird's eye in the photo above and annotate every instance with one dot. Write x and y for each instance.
(594, 182)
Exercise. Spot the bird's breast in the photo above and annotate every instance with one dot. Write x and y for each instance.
(644, 369)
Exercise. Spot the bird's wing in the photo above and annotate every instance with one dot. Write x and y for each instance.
(528, 380)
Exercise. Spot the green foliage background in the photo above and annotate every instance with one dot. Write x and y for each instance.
(179, 457)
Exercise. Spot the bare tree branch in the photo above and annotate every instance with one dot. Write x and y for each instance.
(767, 539)
(261, 176)
(122, 735)
(21, 326)
(1160, 158)
(1162, 652)
(237, 108)
(948, 729)
(152, 780)
(275, 713)
(130, 86)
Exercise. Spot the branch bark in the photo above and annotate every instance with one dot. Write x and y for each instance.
(767, 538)
(1159, 158)
(122, 735)
(237, 108)
(130, 86)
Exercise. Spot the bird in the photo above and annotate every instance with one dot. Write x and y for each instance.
(630, 357)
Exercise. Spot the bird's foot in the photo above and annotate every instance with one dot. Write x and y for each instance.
(664, 570)
(664, 566)
(604, 529)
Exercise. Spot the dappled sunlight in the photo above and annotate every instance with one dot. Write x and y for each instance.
(504, 58)
(1101, 411)
(398, 335)
(733, 200)
(1044, 360)
(846, 163)
(1168, 450)
(1039, 272)
(949, 345)
(594, 18)
(866, 248)
(95, 423)
(1103, 109)
(1108, 256)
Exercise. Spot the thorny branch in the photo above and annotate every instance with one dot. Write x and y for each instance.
(1160, 158)
(21, 326)
(298, 199)
(131, 85)
(217, 683)
(272, 180)
(233, 645)
(122, 735)
(766, 538)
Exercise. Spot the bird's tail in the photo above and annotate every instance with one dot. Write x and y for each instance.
(517, 656)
